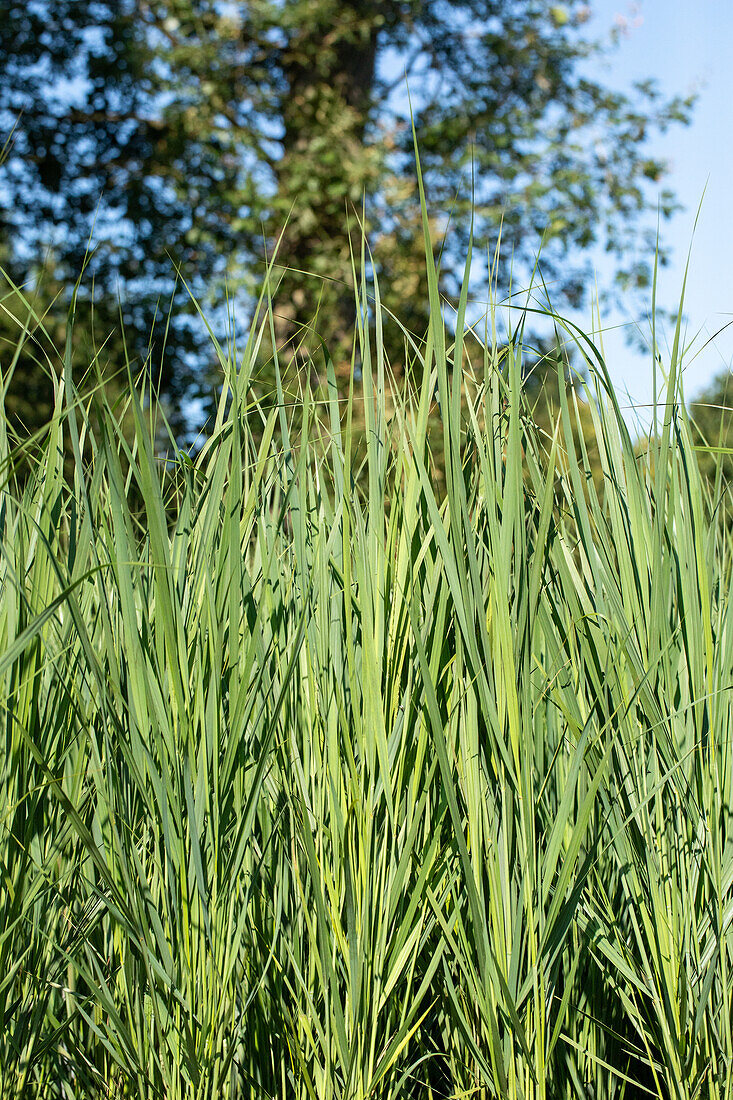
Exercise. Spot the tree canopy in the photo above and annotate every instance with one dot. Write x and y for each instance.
(189, 133)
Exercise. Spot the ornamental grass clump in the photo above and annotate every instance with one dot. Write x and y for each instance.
(322, 781)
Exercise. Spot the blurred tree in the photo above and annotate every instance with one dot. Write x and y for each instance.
(712, 430)
(34, 325)
(189, 132)
(33, 338)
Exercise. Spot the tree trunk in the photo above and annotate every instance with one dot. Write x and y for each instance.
(325, 169)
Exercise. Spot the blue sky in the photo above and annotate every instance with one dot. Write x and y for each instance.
(685, 44)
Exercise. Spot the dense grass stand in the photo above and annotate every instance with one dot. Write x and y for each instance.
(320, 780)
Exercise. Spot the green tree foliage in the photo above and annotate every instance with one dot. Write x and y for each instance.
(712, 433)
(205, 127)
(36, 342)
(32, 342)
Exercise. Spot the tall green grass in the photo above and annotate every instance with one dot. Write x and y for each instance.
(320, 783)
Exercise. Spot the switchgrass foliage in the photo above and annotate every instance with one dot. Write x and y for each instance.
(320, 783)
